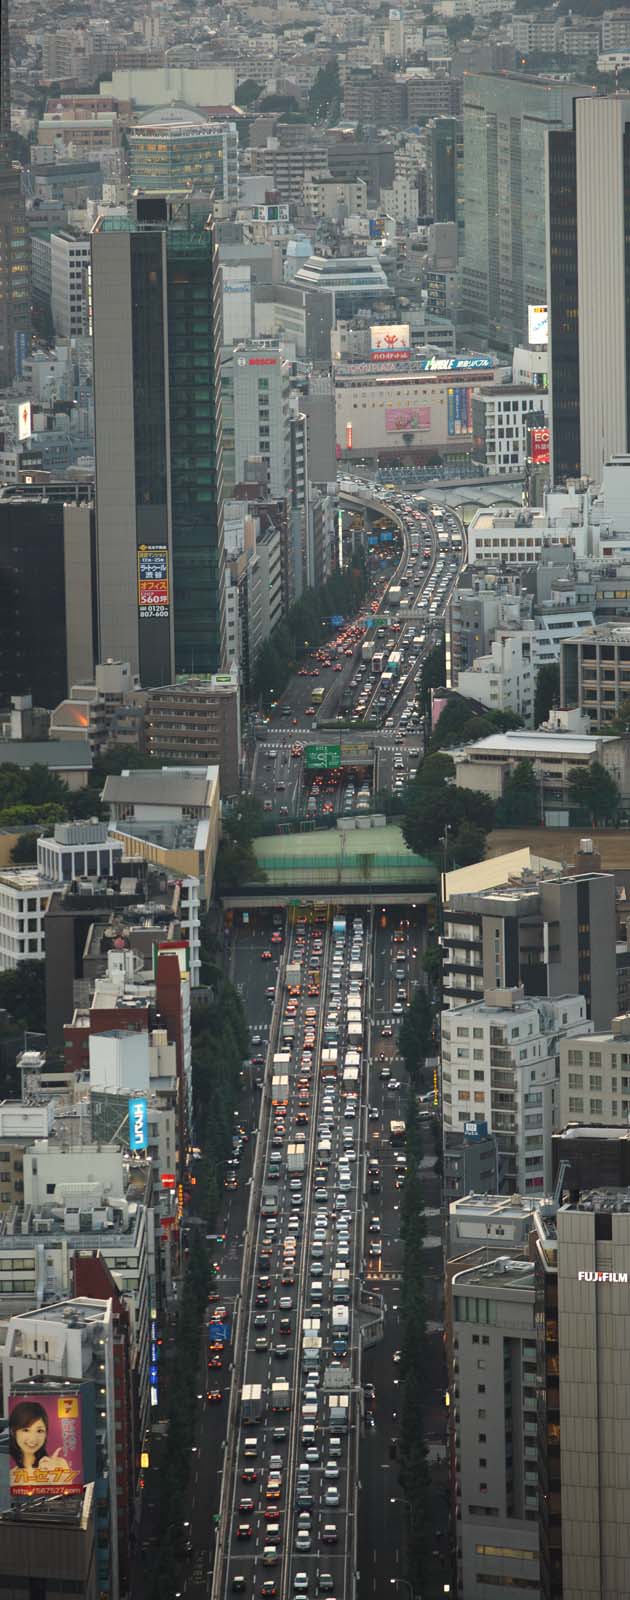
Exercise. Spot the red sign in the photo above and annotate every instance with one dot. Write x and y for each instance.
(390, 355)
(539, 447)
(167, 1180)
(262, 361)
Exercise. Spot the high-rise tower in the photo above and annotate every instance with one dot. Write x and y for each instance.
(156, 310)
(15, 245)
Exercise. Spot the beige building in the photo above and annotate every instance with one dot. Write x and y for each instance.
(325, 197)
(198, 720)
(170, 817)
(595, 1076)
(486, 763)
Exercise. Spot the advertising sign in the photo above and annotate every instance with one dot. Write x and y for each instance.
(539, 446)
(322, 757)
(456, 364)
(390, 341)
(459, 411)
(438, 704)
(45, 1444)
(153, 583)
(538, 324)
(25, 424)
(407, 418)
(138, 1125)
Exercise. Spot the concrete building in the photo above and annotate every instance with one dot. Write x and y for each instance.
(483, 1226)
(257, 382)
(594, 1081)
(77, 850)
(500, 1067)
(48, 581)
(15, 271)
(492, 1381)
(587, 220)
(170, 817)
(52, 1547)
(505, 679)
(23, 901)
(287, 167)
(485, 763)
(582, 1260)
(325, 197)
(595, 672)
(69, 263)
(198, 720)
(503, 268)
(159, 489)
(422, 403)
(551, 932)
(471, 1163)
(72, 1342)
(503, 421)
(352, 283)
(108, 711)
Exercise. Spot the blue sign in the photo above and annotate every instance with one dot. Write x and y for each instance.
(219, 1332)
(475, 1130)
(336, 622)
(153, 1374)
(386, 536)
(138, 1125)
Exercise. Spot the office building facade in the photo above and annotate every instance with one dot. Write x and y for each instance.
(156, 308)
(177, 148)
(47, 596)
(492, 1378)
(198, 720)
(588, 203)
(503, 267)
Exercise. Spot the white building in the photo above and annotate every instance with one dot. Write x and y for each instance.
(500, 1064)
(505, 679)
(78, 850)
(401, 201)
(505, 415)
(324, 196)
(24, 897)
(237, 302)
(69, 262)
(260, 381)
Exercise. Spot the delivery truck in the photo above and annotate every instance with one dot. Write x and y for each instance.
(252, 1402)
(280, 1395)
(280, 1091)
(295, 1158)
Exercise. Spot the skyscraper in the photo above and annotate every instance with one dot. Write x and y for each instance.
(588, 202)
(503, 269)
(445, 153)
(156, 311)
(15, 244)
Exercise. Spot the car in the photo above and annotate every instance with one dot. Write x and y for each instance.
(215, 1362)
(300, 1583)
(331, 1496)
(244, 1530)
(214, 1396)
(397, 1356)
(325, 1583)
(268, 1587)
(373, 1114)
(246, 1503)
(270, 1555)
(260, 1321)
(394, 1083)
(329, 1533)
(266, 955)
(249, 1475)
(238, 1584)
(303, 1539)
(280, 1433)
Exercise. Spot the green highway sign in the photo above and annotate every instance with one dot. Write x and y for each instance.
(322, 757)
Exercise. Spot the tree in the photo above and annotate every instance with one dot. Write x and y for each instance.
(247, 92)
(432, 675)
(621, 723)
(414, 1037)
(23, 995)
(547, 691)
(24, 851)
(595, 791)
(519, 806)
(469, 845)
(325, 96)
(432, 964)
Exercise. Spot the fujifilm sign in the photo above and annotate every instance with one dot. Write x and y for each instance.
(602, 1277)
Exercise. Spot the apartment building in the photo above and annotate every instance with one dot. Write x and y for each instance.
(594, 1083)
(198, 720)
(23, 901)
(499, 1067)
(595, 672)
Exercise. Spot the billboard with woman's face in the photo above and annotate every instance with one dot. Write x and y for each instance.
(45, 1444)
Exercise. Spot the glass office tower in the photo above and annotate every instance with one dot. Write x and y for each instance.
(156, 312)
(503, 268)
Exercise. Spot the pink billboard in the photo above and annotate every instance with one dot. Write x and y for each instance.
(407, 418)
(46, 1444)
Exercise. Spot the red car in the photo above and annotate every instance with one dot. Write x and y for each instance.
(249, 1475)
(214, 1396)
(266, 955)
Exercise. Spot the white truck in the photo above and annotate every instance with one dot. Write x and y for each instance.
(295, 1158)
(252, 1402)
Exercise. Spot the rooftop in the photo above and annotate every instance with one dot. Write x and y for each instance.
(368, 854)
(59, 755)
(175, 786)
(188, 834)
(590, 1130)
(504, 1270)
(601, 1200)
(520, 742)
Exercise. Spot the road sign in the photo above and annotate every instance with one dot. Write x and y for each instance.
(322, 757)
(219, 1331)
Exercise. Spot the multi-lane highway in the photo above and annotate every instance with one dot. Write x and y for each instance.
(288, 1508)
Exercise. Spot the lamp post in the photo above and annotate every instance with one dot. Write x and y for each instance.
(406, 1583)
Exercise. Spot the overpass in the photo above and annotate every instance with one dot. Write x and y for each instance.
(368, 866)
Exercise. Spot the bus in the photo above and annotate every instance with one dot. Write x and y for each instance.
(317, 696)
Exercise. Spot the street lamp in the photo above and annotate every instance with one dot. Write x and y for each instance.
(407, 1585)
(397, 1500)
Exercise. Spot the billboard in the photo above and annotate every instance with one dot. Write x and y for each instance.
(459, 411)
(457, 364)
(403, 419)
(153, 583)
(46, 1444)
(25, 423)
(538, 324)
(138, 1125)
(390, 341)
(539, 447)
(322, 757)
